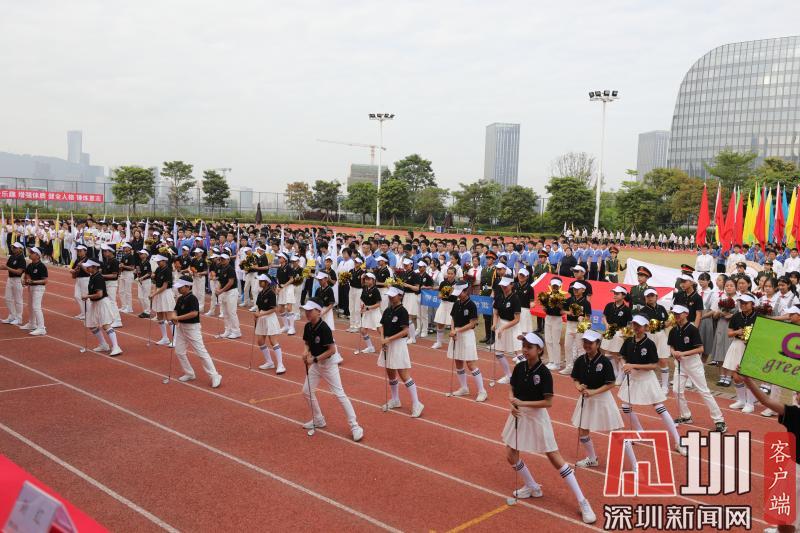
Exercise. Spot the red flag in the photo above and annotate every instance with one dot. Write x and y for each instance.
(780, 217)
(796, 222)
(719, 219)
(738, 226)
(759, 229)
(703, 219)
(727, 235)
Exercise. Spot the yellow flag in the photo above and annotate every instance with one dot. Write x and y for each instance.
(790, 241)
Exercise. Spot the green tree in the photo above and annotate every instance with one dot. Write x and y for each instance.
(732, 168)
(664, 183)
(181, 181)
(429, 203)
(395, 199)
(325, 196)
(361, 198)
(298, 197)
(133, 185)
(478, 201)
(517, 205)
(570, 201)
(685, 203)
(215, 189)
(636, 204)
(775, 170)
(416, 172)
(609, 214)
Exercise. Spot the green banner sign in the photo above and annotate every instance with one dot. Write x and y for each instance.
(773, 353)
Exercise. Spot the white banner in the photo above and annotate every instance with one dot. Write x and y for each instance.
(666, 276)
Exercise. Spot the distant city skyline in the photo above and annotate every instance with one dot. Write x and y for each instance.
(501, 154)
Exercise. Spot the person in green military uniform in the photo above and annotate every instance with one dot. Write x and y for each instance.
(767, 273)
(636, 295)
(488, 275)
(613, 266)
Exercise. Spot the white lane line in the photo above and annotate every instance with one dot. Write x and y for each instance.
(92, 481)
(29, 388)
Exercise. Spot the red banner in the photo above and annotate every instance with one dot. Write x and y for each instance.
(49, 196)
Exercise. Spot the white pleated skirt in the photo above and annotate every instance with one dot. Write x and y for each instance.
(464, 346)
(371, 319)
(163, 302)
(99, 313)
(660, 339)
(328, 318)
(442, 315)
(507, 341)
(644, 390)
(599, 413)
(525, 321)
(534, 431)
(396, 355)
(286, 295)
(733, 357)
(411, 303)
(613, 344)
(268, 325)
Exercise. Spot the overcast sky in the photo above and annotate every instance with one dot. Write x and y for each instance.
(250, 85)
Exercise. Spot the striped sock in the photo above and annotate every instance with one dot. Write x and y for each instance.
(568, 475)
(631, 414)
(662, 410)
(587, 443)
(395, 392)
(503, 364)
(478, 377)
(462, 378)
(163, 325)
(265, 350)
(112, 336)
(412, 391)
(99, 334)
(741, 393)
(527, 477)
(369, 342)
(278, 354)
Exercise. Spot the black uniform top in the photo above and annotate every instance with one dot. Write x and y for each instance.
(394, 319)
(531, 384)
(81, 272)
(586, 292)
(266, 299)
(355, 278)
(617, 315)
(225, 274)
(739, 320)
(585, 305)
(552, 310)
(213, 267)
(791, 420)
(371, 296)
(186, 303)
(643, 352)
(97, 283)
(412, 278)
(18, 261)
(331, 274)
(507, 306)
(145, 271)
(693, 302)
(318, 337)
(128, 260)
(684, 338)
(445, 283)
(382, 274)
(658, 312)
(524, 293)
(425, 280)
(185, 261)
(464, 313)
(262, 261)
(200, 264)
(110, 267)
(326, 296)
(284, 274)
(594, 373)
(36, 271)
(163, 275)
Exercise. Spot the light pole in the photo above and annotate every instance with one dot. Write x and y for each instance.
(380, 117)
(605, 96)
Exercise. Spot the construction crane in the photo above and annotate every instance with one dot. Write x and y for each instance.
(371, 147)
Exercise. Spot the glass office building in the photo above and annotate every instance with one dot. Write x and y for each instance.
(651, 152)
(743, 97)
(501, 156)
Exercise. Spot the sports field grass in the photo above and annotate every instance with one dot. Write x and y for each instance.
(663, 258)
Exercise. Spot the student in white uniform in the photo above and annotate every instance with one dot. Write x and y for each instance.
(442, 318)
(744, 318)
(127, 267)
(327, 299)
(394, 356)
(370, 311)
(354, 294)
(463, 348)
(188, 332)
(35, 279)
(199, 269)
(505, 325)
(98, 312)
(15, 266)
(267, 325)
(410, 284)
(110, 271)
(318, 358)
(528, 428)
(162, 300)
(144, 282)
(228, 293)
(81, 278)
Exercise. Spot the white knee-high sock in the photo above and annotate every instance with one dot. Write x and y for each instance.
(290, 320)
(462, 377)
(587, 443)
(412, 391)
(503, 364)
(163, 325)
(439, 335)
(630, 455)
(664, 378)
(412, 331)
(750, 398)
(99, 334)
(662, 410)
(394, 388)
(478, 377)
(741, 392)
(368, 340)
(278, 354)
(112, 336)
(527, 477)
(265, 350)
(569, 476)
(631, 414)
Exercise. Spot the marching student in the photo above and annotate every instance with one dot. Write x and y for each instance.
(426, 282)
(652, 310)
(463, 347)
(686, 347)
(162, 300)
(553, 323)
(505, 320)
(596, 409)
(318, 358)
(186, 317)
(394, 357)
(144, 274)
(528, 428)
(227, 294)
(639, 384)
(199, 268)
(354, 295)
(35, 279)
(98, 310)
(15, 266)
(327, 299)
(382, 273)
(744, 318)
(213, 284)
(285, 293)
(616, 316)
(267, 325)
(109, 269)
(411, 283)
(525, 295)
(578, 310)
(443, 318)
(81, 278)
(127, 267)
(370, 311)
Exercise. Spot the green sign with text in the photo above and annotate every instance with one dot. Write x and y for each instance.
(773, 353)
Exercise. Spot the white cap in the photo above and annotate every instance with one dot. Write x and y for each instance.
(159, 257)
(505, 282)
(578, 267)
(263, 277)
(532, 338)
(639, 319)
(322, 275)
(685, 277)
(143, 251)
(197, 251)
(356, 260)
(793, 310)
(181, 283)
(648, 292)
(106, 247)
(18, 245)
(678, 309)
(620, 289)
(224, 256)
(90, 263)
(459, 288)
(747, 298)
(591, 335)
(407, 261)
(35, 250)
(524, 272)
(422, 264)
(311, 304)
(501, 265)
(170, 239)
(294, 258)
(578, 285)
(394, 291)
(555, 281)
(79, 247)
(244, 249)
(381, 258)
(126, 245)
(156, 233)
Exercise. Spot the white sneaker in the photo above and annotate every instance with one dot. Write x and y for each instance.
(424, 334)
(368, 350)
(683, 450)
(463, 391)
(186, 377)
(115, 351)
(748, 408)
(358, 433)
(8, 320)
(737, 405)
(79, 317)
(241, 304)
(216, 380)
(163, 342)
(416, 411)
(284, 329)
(587, 514)
(392, 404)
(411, 341)
(254, 309)
(234, 336)
(171, 344)
(267, 366)
(527, 492)
(315, 424)
(116, 325)
(482, 395)
(566, 371)
(291, 331)
(768, 412)
(220, 315)
(587, 463)
(102, 348)
(280, 370)
(552, 366)
(436, 345)
(28, 327)
(15, 322)
(209, 313)
(504, 380)
(38, 332)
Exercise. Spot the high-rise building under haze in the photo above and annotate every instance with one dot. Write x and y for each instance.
(501, 157)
